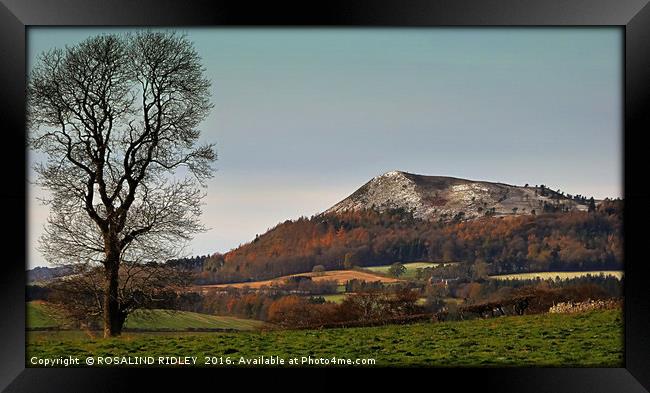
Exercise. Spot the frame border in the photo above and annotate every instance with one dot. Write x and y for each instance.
(633, 15)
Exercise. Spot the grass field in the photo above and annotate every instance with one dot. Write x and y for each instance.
(335, 298)
(181, 320)
(563, 275)
(411, 268)
(593, 339)
(41, 315)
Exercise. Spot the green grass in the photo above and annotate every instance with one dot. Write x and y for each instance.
(593, 339)
(411, 268)
(335, 298)
(181, 320)
(41, 315)
(563, 275)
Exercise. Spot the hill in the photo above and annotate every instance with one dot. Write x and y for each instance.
(402, 217)
(449, 198)
(44, 273)
(405, 217)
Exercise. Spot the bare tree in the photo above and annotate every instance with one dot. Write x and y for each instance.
(80, 295)
(116, 118)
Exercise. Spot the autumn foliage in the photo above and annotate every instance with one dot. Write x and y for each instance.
(553, 241)
(359, 308)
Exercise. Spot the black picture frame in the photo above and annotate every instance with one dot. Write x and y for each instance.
(632, 15)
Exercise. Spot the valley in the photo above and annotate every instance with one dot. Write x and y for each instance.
(409, 270)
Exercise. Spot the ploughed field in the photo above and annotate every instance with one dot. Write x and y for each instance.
(340, 276)
(588, 339)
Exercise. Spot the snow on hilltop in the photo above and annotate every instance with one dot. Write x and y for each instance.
(445, 198)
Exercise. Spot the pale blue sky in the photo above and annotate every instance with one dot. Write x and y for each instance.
(303, 117)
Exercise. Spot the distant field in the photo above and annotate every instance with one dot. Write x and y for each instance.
(340, 276)
(453, 300)
(337, 298)
(40, 315)
(563, 275)
(411, 268)
(592, 339)
(181, 320)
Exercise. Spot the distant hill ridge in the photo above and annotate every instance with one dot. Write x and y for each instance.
(44, 273)
(400, 216)
(405, 217)
(448, 198)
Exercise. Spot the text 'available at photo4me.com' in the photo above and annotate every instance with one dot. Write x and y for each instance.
(214, 361)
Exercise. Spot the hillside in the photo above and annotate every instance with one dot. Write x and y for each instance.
(404, 217)
(449, 198)
(44, 273)
(401, 217)
(41, 315)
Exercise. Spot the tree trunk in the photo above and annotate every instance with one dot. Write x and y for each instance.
(113, 319)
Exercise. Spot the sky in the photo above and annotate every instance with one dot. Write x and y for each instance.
(303, 117)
